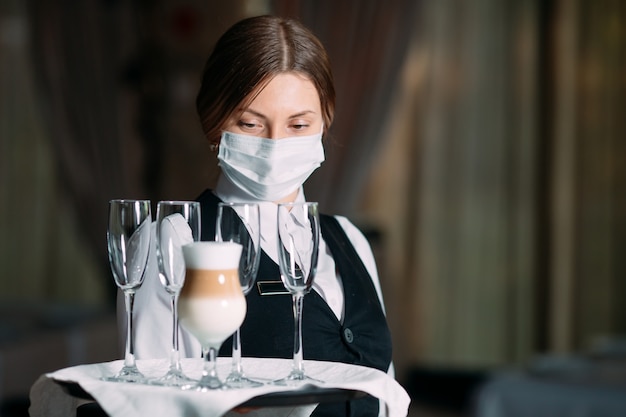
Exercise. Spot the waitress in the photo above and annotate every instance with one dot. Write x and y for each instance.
(266, 100)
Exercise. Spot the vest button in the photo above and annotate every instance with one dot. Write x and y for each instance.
(347, 335)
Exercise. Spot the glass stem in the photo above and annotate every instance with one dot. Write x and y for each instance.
(236, 367)
(210, 363)
(297, 341)
(129, 356)
(174, 357)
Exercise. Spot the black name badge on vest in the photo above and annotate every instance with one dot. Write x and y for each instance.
(271, 288)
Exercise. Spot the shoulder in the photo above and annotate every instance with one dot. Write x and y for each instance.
(355, 235)
(360, 243)
(364, 250)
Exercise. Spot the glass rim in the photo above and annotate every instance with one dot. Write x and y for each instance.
(129, 200)
(178, 202)
(299, 203)
(238, 203)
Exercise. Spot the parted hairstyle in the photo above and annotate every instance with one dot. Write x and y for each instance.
(247, 56)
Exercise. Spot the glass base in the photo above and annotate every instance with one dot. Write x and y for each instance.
(296, 378)
(206, 383)
(239, 380)
(174, 378)
(128, 374)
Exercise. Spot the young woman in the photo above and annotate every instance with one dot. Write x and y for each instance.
(268, 86)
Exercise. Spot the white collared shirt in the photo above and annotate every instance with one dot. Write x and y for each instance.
(152, 303)
(327, 282)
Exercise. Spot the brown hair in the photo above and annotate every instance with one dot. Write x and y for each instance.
(247, 56)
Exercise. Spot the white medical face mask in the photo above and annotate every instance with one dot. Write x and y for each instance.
(269, 169)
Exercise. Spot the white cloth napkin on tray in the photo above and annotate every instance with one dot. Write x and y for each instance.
(48, 399)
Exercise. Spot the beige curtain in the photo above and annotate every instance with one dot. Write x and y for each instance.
(476, 189)
(467, 204)
(80, 89)
(501, 189)
(588, 199)
(43, 255)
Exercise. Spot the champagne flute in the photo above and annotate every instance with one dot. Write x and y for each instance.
(128, 242)
(177, 224)
(239, 223)
(211, 304)
(298, 247)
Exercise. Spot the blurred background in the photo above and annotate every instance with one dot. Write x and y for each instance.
(476, 143)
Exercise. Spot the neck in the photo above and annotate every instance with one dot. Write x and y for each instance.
(288, 199)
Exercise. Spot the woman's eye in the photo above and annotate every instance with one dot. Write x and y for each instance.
(247, 125)
(299, 126)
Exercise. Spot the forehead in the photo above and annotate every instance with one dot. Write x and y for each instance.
(289, 91)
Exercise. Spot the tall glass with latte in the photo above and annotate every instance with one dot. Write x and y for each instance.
(211, 304)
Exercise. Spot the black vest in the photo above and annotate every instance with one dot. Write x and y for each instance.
(267, 331)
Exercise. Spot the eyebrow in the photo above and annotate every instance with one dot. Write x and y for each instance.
(261, 115)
